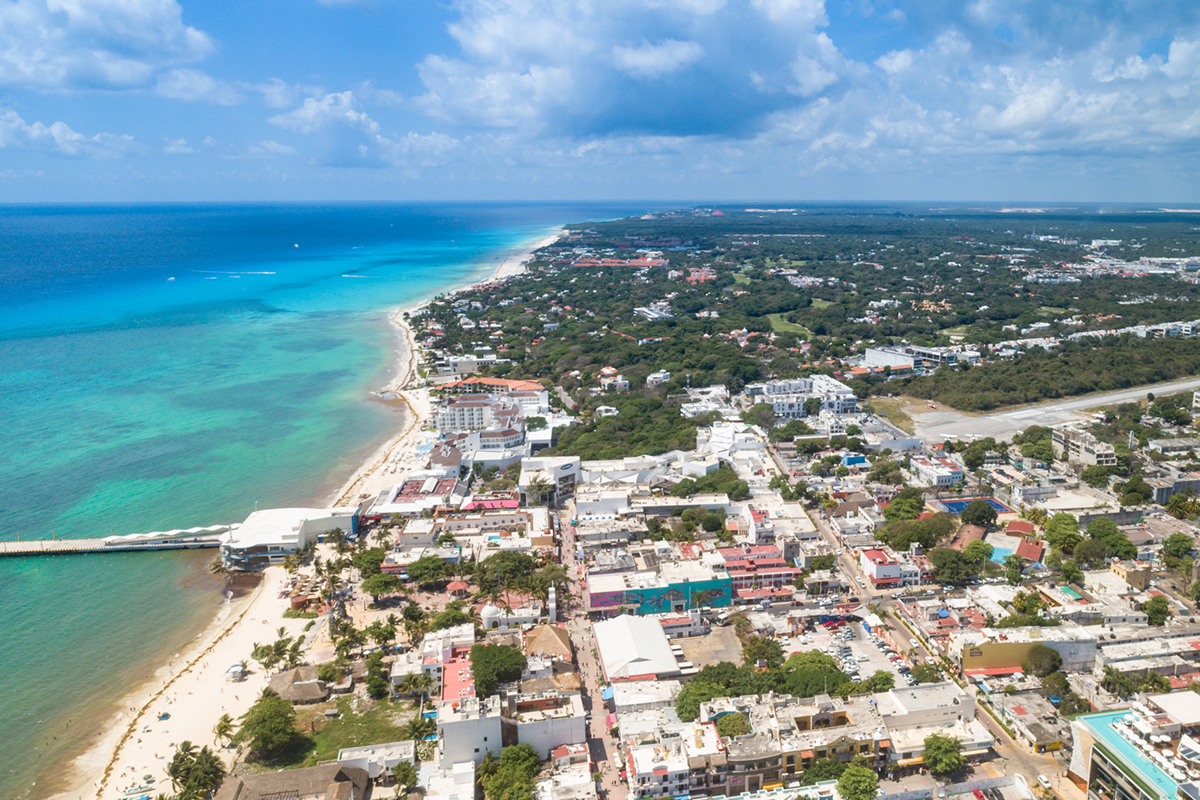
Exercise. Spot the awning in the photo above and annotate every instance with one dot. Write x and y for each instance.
(606, 693)
(806, 753)
(909, 762)
(993, 671)
(885, 743)
(611, 720)
(772, 785)
(979, 751)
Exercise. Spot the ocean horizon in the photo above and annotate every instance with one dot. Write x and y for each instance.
(168, 366)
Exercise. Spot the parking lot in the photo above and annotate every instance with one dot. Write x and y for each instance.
(861, 656)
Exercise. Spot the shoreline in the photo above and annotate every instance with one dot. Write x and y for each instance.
(135, 742)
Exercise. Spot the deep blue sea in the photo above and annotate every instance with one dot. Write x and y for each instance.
(172, 366)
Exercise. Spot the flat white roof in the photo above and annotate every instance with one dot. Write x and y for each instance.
(631, 646)
(1183, 707)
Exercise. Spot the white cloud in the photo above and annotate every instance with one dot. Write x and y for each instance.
(338, 108)
(346, 136)
(804, 13)
(178, 147)
(195, 86)
(272, 148)
(653, 60)
(281, 94)
(58, 138)
(82, 44)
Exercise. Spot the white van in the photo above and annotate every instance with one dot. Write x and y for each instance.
(1044, 781)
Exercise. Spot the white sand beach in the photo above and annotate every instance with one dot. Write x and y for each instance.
(193, 688)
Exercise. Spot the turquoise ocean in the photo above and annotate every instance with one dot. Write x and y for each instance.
(172, 366)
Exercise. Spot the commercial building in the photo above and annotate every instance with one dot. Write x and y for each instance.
(671, 586)
(938, 471)
(1079, 446)
(468, 729)
(634, 648)
(269, 536)
(1120, 755)
(789, 398)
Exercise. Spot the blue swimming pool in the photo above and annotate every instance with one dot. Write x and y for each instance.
(1101, 726)
(1000, 553)
(957, 506)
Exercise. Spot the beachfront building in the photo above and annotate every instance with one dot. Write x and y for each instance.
(269, 536)
(416, 493)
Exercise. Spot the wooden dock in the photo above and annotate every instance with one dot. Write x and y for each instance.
(195, 539)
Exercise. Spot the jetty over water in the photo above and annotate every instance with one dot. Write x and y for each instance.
(189, 539)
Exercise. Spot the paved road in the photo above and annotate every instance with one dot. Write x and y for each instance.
(605, 753)
(942, 423)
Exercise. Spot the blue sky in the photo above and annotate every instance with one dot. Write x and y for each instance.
(1001, 100)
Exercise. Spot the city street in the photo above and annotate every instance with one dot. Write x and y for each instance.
(605, 755)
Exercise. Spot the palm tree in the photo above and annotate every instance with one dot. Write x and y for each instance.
(419, 727)
(538, 487)
(180, 765)
(207, 772)
(223, 730)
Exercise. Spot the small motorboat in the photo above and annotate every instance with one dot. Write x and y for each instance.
(163, 716)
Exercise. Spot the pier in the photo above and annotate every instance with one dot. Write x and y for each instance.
(190, 539)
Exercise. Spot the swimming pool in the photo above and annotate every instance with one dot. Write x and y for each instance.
(957, 506)
(999, 554)
(1101, 726)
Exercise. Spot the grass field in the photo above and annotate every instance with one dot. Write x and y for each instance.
(819, 303)
(956, 333)
(741, 278)
(893, 409)
(781, 325)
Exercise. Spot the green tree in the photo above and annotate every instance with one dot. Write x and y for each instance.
(979, 512)
(882, 680)
(1062, 532)
(1095, 476)
(762, 648)
(427, 570)
(368, 562)
(760, 414)
(1157, 609)
(735, 724)
(269, 727)
(1055, 684)
(1177, 545)
(380, 584)
(925, 673)
(406, 776)
(223, 730)
(951, 566)
(907, 504)
(858, 783)
(695, 692)
(1195, 592)
(943, 754)
(494, 664)
(978, 551)
(1071, 572)
(1013, 567)
(1042, 660)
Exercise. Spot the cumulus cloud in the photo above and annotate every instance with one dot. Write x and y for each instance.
(580, 68)
(82, 44)
(652, 60)
(59, 139)
(346, 136)
(195, 86)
